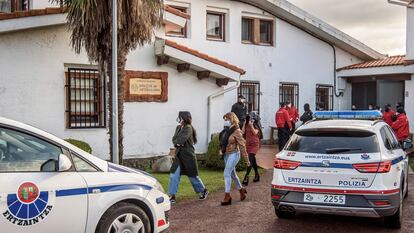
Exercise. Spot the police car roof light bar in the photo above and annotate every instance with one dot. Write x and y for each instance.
(354, 115)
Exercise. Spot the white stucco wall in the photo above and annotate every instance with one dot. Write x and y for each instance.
(32, 89)
(409, 101)
(39, 4)
(295, 57)
(410, 33)
(32, 85)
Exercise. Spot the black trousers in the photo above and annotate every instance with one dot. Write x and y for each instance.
(292, 131)
(253, 164)
(283, 134)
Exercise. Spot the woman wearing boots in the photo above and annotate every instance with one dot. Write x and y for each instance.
(253, 134)
(232, 144)
(185, 162)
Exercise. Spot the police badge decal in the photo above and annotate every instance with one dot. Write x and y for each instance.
(28, 206)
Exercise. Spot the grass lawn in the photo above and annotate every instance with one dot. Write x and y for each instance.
(213, 180)
(411, 160)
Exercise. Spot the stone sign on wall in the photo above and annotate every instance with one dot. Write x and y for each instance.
(146, 86)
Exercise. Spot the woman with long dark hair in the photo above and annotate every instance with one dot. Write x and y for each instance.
(232, 144)
(253, 134)
(185, 162)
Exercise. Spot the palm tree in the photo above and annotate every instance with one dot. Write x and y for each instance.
(90, 22)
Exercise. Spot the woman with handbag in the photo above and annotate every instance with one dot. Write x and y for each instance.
(185, 162)
(232, 144)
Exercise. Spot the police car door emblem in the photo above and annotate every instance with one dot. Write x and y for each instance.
(28, 206)
(326, 163)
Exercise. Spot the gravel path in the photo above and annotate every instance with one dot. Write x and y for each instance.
(256, 214)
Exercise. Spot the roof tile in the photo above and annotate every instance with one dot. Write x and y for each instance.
(389, 61)
(204, 56)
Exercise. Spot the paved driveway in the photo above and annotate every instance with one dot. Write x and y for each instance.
(256, 215)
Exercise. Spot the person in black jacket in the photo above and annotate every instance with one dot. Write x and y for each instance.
(307, 115)
(240, 110)
(185, 162)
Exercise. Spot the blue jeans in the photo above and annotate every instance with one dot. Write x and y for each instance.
(230, 174)
(198, 185)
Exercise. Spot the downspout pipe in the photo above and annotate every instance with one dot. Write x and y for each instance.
(210, 101)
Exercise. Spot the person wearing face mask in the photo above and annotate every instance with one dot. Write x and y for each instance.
(388, 114)
(185, 162)
(401, 126)
(240, 110)
(307, 115)
(232, 144)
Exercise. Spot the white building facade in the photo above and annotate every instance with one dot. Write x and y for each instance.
(207, 52)
(388, 80)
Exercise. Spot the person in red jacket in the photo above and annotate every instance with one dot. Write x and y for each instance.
(252, 131)
(293, 114)
(401, 126)
(284, 125)
(387, 115)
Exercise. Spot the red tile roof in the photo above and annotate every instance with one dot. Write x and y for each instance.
(389, 61)
(174, 11)
(35, 12)
(204, 56)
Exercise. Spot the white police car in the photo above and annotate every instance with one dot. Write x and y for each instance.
(48, 185)
(343, 165)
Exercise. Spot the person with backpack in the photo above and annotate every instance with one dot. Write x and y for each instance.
(253, 134)
(185, 162)
(232, 145)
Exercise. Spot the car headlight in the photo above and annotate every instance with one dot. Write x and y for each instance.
(159, 187)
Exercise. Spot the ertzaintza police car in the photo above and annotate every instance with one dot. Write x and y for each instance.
(347, 164)
(48, 185)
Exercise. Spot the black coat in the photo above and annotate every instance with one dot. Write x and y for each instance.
(240, 110)
(185, 156)
(307, 116)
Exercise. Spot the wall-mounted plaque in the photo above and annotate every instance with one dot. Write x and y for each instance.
(146, 86)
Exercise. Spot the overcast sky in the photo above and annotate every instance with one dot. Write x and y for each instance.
(376, 23)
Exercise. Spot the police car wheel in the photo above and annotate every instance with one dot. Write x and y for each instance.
(284, 214)
(394, 221)
(124, 218)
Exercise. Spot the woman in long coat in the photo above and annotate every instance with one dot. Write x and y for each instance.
(185, 162)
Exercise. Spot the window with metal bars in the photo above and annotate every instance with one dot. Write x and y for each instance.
(85, 99)
(251, 91)
(289, 92)
(324, 97)
(7, 6)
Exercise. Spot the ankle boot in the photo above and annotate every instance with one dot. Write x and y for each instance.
(245, 180)
(243, 193)
(256, 178)
(227, 200)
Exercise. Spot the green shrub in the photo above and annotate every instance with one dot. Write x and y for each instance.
(80, 144)
(213, 158)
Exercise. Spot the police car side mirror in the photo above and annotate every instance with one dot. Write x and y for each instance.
(64, 163)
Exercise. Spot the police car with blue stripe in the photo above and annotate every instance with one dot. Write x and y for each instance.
(343, 163)
(48, 185)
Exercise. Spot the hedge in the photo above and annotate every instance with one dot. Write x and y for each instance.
(80, 144)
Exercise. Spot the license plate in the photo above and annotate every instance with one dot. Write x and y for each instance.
(324, 198)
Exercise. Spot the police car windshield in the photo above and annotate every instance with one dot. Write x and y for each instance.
(333, 142)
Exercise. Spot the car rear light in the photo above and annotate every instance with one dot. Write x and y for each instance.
(276, 197)
(286, 164)
(161, 222)
(381, 203)
(382, 167)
